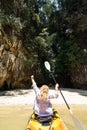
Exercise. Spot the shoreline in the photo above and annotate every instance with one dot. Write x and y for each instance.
(27, 96)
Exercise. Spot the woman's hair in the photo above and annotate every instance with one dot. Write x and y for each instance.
(44, 92)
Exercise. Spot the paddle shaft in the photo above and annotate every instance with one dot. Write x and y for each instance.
(76, 121)
(61, 92)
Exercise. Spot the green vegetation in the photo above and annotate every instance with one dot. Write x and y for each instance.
(50, 30)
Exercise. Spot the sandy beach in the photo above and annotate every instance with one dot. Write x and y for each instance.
(26, 97)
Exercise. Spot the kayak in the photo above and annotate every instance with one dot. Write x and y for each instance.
(55, 124)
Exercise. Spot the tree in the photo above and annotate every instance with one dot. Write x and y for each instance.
(68, 26)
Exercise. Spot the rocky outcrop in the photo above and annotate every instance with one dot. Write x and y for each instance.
(14, 73)
(79, 77)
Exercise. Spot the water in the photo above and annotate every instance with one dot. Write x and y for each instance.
(13, 117)
(16, 117)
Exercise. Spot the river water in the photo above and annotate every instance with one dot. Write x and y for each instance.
(16, 117)
(15, 109)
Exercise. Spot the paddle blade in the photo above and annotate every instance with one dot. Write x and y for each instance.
(47, 65)
(76, 121)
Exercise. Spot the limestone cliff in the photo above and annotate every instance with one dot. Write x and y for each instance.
(14, 73)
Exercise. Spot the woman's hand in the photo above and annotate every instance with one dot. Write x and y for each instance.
(56, 86)
(32, 77)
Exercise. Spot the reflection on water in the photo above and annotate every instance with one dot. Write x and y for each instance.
(16, 117)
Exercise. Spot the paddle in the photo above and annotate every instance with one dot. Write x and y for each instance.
(27, 124)
(75, 120)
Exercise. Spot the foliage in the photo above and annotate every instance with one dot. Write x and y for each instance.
(70, 27)
(50, 30)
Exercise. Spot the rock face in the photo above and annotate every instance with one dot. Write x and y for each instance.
(79, 77)
(14, 73)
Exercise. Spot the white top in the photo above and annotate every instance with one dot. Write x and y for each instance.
(43, 108)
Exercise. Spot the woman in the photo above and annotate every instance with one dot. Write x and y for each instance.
(42, 104)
